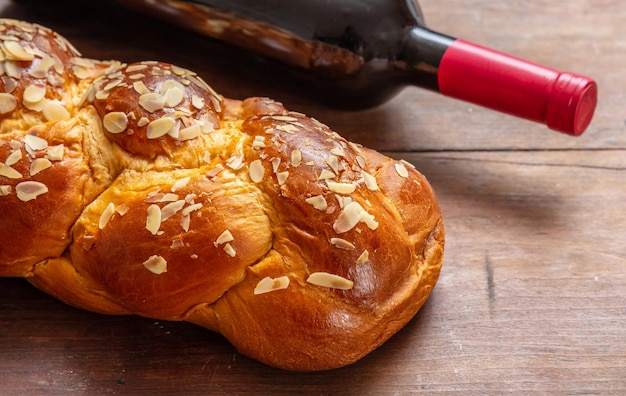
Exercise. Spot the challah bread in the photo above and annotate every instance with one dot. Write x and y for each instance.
(137, 189)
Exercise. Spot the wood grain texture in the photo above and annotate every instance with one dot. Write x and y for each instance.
(532, 296)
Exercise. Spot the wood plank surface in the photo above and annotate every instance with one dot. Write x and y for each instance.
(532, 295)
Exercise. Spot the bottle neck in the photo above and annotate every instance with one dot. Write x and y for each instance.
(457, 68)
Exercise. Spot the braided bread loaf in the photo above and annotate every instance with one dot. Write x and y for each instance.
(137, 189)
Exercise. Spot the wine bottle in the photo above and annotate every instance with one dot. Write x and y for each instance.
(359, 53)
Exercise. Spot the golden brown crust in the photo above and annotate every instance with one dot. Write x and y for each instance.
(163, 199)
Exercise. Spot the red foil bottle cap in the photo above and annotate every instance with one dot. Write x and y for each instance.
(571, 104)
(564, 102)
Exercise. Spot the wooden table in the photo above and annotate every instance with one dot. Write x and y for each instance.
(532, 296)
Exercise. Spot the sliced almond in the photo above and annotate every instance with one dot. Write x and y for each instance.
(34, 93)
(38, 165)
(326, 174)
(153, 220)
(9, 172)
(325, 279)
(197, 102)
(180, 184)
(190, 132)
(224, 237)
(349, 218)
(341, 188)
(281, 177)
(229, 250)
(55, 111)
(5, 190)
(235, 162)
(342, 244)
(160, 127)
(171, 209)
(296, 158)
(55, 153)
(318, 202)
(140, 88)
(106, 215)
(174, 96)
(258, 143)
(115, 121)
(152, 101)
(35, 143)
(401, 169)
(370, 181)
(13, 158)
(269, 284)
(8, 103)
(30, 190)
(363, 257)
(333, 162)
(257, 171)
(15, 51)
(191, 208)
(156, 264)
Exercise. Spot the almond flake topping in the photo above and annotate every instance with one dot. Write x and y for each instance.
(275, 164)
(363, 257)
(325, 279)
(55, 153)
(235, 162)
(34, 93)
(152, 101)
(29, 190)
(140, 88)
(191, 208)
(122, 209)
(269, 284)
(180, 183)
(333, 162)
(173, 92)
(296, 158)
(8, 103)
(229, 250)
(156, 264)
(326, 174)
(284, 118)
(171, 209)
(106, 215)
(153, 220)
(281, 177)
(15, 51)
(256, 170)
(190, 132)
(318, 202)
(55, 111)
(351, 215)
(258, 143)
(160, 127)
(342, 244)
(38, 165)
(5, 190)
(14, 157)
(401, 169)
(9, 172)
(35, 143)
(341, 188)
(115, 122)
(370, 181)
(224, 237)
(197, 102)
(337, 151)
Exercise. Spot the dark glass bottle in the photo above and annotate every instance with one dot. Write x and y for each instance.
(359, 53)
